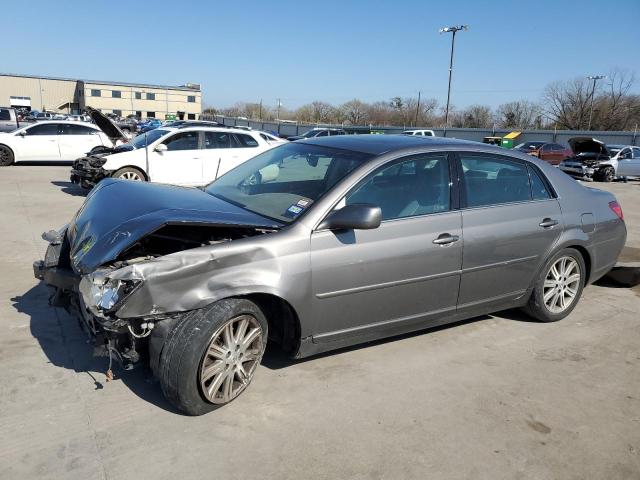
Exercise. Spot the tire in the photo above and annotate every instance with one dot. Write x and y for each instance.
(129, 173)
(556, 307)
(607, 175)
(196, 370)
(6, 156)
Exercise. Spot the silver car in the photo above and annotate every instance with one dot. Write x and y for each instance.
(321, 244)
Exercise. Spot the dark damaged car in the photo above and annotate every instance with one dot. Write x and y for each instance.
(322, 244)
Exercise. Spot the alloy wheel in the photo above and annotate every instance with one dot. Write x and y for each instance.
(231, 358)
(130, 176)
(561, 284)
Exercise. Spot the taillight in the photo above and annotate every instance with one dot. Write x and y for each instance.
(617, 209)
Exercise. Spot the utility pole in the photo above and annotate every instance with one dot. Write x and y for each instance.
(260, 116)
(595, 78)
(278, 112)
(417, 109)
(452, 30)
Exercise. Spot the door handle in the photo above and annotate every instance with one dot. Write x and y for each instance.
(446, 239)
(548, 223)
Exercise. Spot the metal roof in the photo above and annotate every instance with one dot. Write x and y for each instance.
(104, 82)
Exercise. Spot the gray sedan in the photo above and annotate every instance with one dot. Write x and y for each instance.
(321, 244)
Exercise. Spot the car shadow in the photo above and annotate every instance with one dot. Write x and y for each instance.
(66, 345)
(70, 188)
(620, 277)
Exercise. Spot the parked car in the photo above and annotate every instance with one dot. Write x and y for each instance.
(318, 132)
(180, 156)
(553, 153)
(59, 116)
(75, 118)
(43, 116)
(420, 132)
(50, 141)
(8, 119)
(594, 160)
(148, 125)
(192, 123)
(322, 244)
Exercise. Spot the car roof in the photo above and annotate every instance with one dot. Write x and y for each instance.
(379, 144)
(211, 128)
(66, 122)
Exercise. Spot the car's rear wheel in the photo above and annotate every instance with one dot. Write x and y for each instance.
(210, 356)
(6, 156)
(129, 173)
(558, 287)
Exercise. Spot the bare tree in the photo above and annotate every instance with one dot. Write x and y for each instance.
(567, 103)
(354, 111)
(519, 114)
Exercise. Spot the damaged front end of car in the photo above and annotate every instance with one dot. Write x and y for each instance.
(87, 171)
(114, 273)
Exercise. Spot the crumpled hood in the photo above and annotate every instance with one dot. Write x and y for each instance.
(117, 213)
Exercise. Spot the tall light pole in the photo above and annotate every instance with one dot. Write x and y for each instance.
(595, 78)
(452, 30)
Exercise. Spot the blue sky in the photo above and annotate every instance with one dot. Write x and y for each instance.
(327, 50)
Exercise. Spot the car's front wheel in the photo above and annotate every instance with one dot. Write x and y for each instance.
(6, 156)
(607, 175)
(210, 356)
(129, 173)
(558, 286)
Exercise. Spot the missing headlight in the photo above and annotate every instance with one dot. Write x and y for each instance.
(103, 293)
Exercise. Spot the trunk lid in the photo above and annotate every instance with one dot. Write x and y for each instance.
(118, 213)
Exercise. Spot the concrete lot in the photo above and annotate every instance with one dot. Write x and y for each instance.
(496, 397)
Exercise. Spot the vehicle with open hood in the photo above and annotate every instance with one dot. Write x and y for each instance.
(594, 160)
(189, 156)
(322, 244)
(53, 141)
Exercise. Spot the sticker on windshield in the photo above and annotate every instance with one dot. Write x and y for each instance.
(293, 211)
(304, 202)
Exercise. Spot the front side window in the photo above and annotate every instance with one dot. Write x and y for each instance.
(116, 94)
(284, 182)
(151, 96)
(245, 141)
(182, 141)
(217, 140)
(625, 154)
(5, 114)
(43, 129)
(491, 180)
(96, 93)
(416, 186)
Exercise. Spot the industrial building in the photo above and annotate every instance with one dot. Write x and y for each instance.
(67, 95)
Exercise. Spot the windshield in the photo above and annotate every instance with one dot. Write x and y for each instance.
(282, 183)
(145, 139)
(310, 133)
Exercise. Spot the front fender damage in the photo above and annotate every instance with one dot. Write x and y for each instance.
(194, 278)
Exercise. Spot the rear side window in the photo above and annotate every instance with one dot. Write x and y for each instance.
(491, 180)
(43, 129)
(77, 130)
(539, 190)
(246, 141)
(416, 186)
(217, 140)
(182, 141)
(4, 114)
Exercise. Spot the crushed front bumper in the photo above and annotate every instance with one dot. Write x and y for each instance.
(578, 170)
(85, 174)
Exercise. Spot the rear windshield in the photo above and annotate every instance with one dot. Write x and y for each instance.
(282, 183)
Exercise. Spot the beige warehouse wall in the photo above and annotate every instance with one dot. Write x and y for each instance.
(44, 93)
(166, 100)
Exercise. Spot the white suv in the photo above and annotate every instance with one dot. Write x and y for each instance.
(181, 156)
(420, 133)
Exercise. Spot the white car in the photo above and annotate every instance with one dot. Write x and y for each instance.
(420, 133)
(186, 156)
(51, 141)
